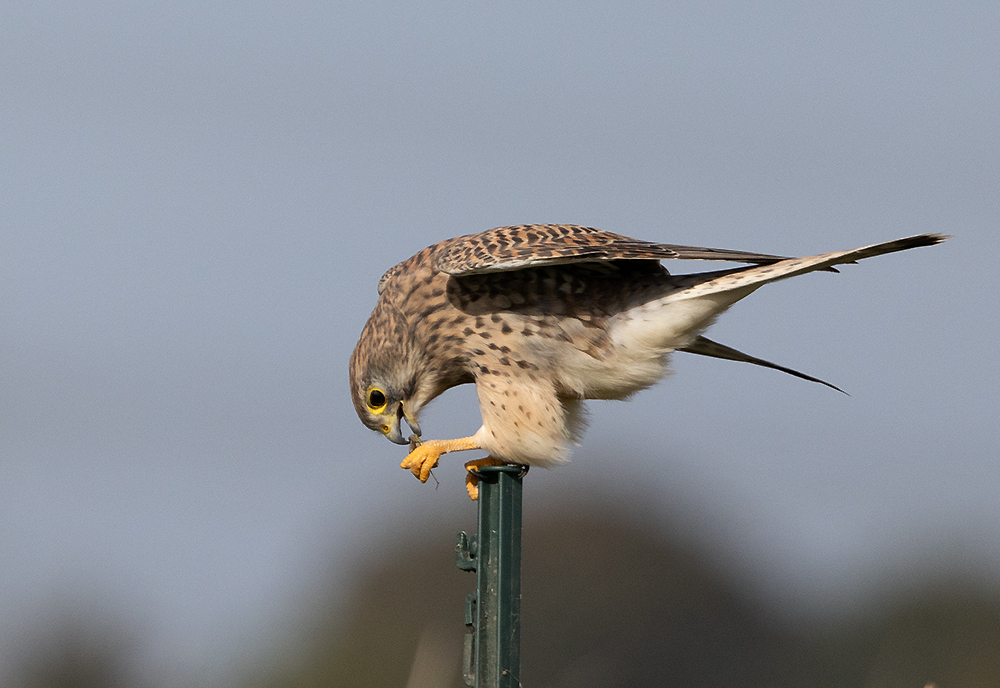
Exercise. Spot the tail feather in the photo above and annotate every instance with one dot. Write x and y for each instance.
(703, 346)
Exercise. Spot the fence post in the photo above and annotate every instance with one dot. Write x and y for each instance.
(492, 656)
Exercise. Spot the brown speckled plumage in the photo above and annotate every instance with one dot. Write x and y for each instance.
(512, 248)
(540, 317)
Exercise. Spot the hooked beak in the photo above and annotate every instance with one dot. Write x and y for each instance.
(394, 433)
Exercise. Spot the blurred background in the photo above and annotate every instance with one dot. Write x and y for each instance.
(196, 203)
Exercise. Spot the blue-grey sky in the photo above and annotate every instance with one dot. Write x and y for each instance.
(197, 199)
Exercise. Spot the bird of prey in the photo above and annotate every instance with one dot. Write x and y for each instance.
(541, 317)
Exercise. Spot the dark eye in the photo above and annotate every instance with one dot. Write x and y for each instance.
(376, 399)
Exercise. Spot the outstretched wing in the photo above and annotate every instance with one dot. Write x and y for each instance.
(513, 248)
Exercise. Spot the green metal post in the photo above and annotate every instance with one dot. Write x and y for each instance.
(493, 612)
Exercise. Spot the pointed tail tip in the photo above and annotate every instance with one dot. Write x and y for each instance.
(917, 241)
(932, 239)
(844, 392)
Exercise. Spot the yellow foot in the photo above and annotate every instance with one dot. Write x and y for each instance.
(471, 481)
(425, 455)
(421, 460)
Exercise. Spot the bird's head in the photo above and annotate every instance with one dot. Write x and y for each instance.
(384, 375)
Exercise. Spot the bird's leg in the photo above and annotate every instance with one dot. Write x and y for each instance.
(425, 456)
(472, 480)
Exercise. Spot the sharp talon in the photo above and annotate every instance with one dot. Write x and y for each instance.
(472, 485)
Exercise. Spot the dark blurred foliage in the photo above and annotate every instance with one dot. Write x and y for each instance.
(80, 650)
(610, 598)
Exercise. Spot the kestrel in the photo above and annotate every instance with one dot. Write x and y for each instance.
(541, 317)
